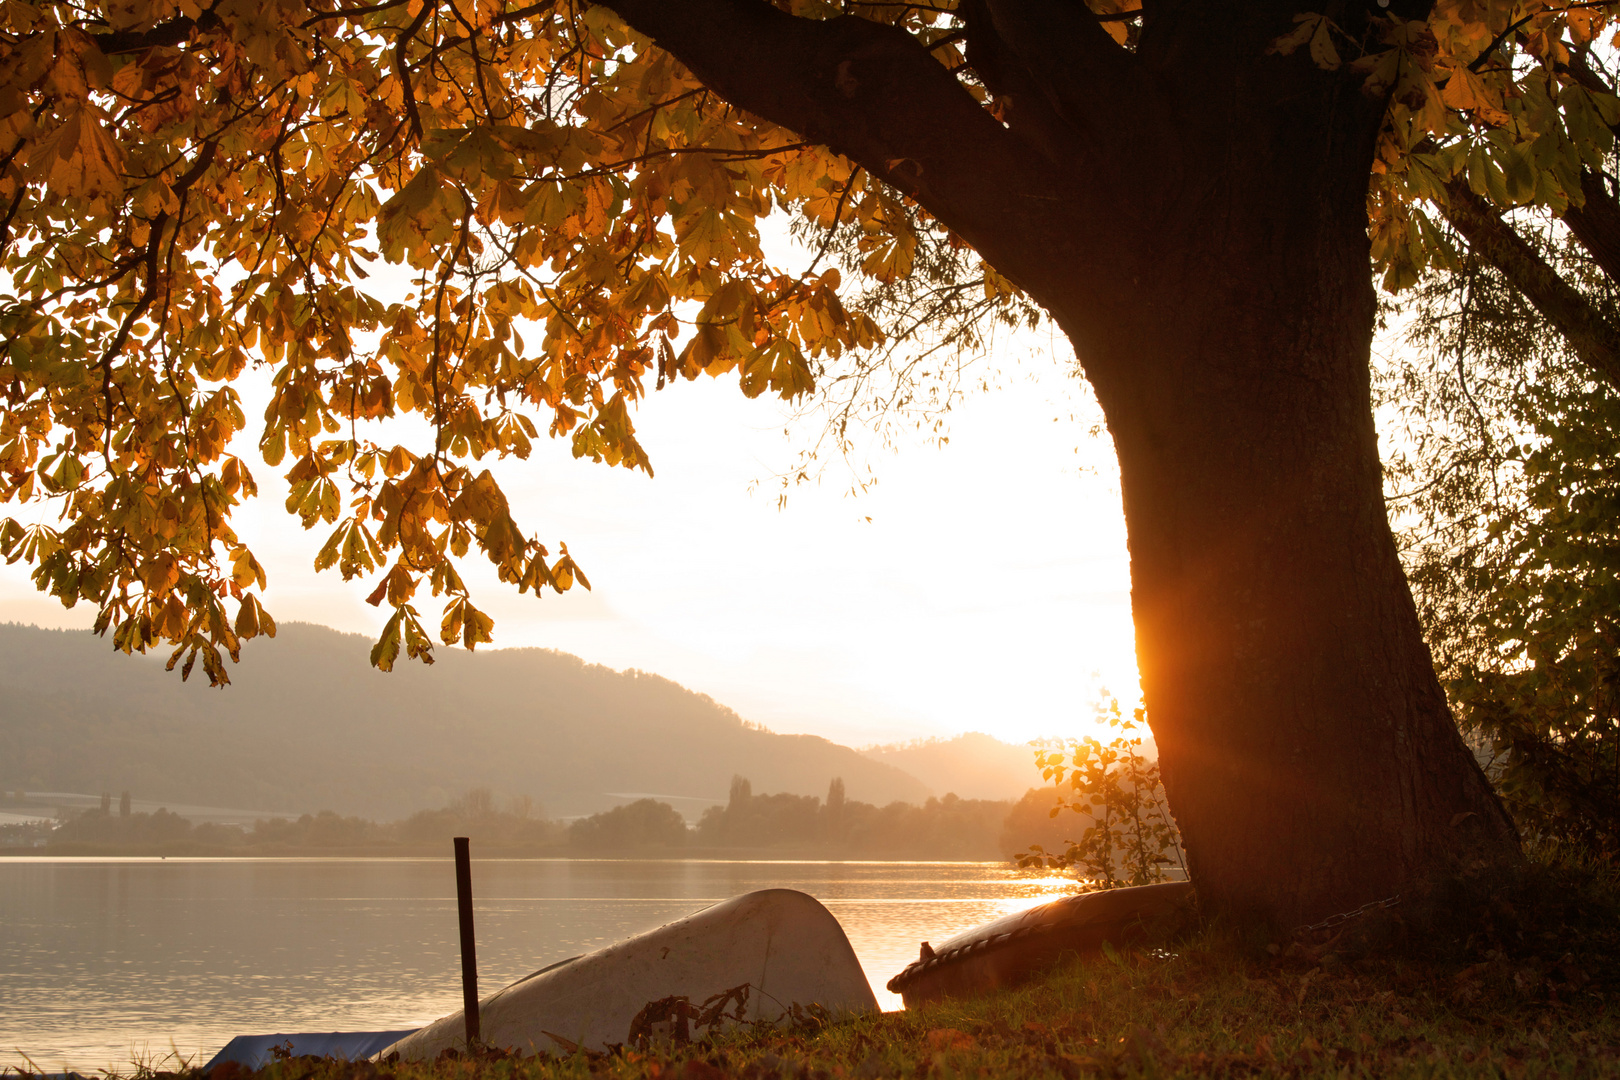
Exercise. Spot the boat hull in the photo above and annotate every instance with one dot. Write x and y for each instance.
(780, 944)
(1010, 950)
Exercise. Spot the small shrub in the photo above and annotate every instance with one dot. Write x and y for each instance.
(1130, 838)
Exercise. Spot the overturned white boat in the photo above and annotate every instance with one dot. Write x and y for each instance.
(753, 958)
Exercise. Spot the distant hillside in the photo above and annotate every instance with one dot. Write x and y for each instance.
(307, 724)
(974, 766)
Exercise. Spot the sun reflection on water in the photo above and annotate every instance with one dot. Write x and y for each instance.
(1041, 890)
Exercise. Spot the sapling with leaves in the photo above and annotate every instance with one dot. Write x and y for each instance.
(1130, 837)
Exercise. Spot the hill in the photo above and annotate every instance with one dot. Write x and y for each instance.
(307, 724)
(974, 765)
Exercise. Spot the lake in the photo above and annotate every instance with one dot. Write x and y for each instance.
(107, 962)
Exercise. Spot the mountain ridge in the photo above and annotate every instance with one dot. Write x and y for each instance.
(308, 724)
(972, 765)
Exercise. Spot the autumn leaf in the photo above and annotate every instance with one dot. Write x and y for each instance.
(78, 158)
(1467, 91)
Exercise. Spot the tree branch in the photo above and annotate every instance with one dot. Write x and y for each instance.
(1596, 224)
(1594, 340)
(872, 93)
(403, 69)
(1027, 112)
(1048, 36)
(1496, 42)
(174, 32)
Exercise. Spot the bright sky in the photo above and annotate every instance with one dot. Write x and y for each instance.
(988, 591)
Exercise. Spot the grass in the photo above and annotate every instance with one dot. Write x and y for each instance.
(1524, 984)
(1201, 1012)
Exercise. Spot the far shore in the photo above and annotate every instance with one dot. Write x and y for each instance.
(420, 851)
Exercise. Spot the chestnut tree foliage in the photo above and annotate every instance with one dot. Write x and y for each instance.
(1507, 484)
(190, 192)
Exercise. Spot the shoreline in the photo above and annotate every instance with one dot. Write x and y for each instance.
(419, 851)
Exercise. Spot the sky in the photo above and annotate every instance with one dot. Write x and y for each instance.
(979, 585)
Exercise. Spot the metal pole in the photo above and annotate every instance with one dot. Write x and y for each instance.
(469, 953)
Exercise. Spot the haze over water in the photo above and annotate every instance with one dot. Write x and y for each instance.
(104, 962)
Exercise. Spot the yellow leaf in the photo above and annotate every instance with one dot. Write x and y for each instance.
(1467, 92)
(480, 501)
(1322, 50)
(1305, 26)
(79, 158)
(892, 259)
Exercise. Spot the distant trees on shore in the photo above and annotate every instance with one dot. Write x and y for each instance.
(519, 825)
(102, 826)
(941, 828)
(641, 824)
(838, 827)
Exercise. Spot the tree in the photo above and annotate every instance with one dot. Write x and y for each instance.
(640, 824)
(835, 809)
(1509, 509)
(1185, 189)
(1543, 686)
(761, 820)
(1510, 402)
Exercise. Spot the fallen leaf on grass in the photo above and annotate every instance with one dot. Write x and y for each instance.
(949, 1039)
(702, 1070)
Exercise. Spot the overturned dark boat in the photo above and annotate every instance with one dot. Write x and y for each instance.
(1011, 949)
(254, 1052)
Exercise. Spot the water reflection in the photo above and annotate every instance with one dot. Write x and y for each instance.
(108, 961)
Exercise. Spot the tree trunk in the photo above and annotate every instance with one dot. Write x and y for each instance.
(1193, 215)
(1307, 748)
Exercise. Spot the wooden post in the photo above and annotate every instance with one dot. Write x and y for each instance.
(469, 953)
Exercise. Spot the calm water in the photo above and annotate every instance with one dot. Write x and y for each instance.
(105, 962)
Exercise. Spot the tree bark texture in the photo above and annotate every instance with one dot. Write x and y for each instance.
(1193, 215)
(1596, 223)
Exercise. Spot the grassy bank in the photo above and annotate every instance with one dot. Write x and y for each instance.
(1204, 1011)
